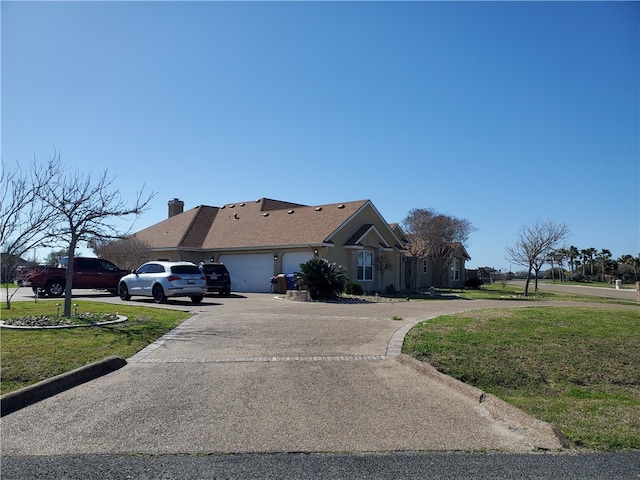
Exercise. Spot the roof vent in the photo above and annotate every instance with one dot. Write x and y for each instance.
(341, 205)
(235, 215)
(231, 206)
(289, 212)
(265, 214)
(242, 204)
(318, 209)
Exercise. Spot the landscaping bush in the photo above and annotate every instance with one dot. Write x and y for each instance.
(390, 289)
(577, 277)
(473, 283)
(353, 288)
(324, 280)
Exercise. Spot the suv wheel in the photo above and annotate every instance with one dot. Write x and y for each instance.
(158, 294)
(197, 298)
(124, 292)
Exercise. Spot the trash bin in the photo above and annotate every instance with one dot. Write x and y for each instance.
(618, 284)
(281, 284)
(291, 282)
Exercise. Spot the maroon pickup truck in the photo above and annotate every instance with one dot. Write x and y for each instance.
(94, 273)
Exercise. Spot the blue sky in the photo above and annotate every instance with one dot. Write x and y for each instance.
(503, 113)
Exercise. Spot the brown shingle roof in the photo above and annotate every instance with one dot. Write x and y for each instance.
(185, 229)
(251, 224)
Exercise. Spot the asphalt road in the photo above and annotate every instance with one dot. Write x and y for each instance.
(336, 466)
(628, 292)
(254, 387)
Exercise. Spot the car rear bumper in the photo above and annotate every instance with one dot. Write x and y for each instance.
(185, 291)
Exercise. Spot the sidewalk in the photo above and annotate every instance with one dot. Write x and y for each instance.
(257, 374)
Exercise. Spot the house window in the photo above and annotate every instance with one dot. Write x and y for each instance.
(424, 266)
(455, 270)
(365, 266)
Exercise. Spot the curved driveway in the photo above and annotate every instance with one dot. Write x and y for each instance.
(257, 374)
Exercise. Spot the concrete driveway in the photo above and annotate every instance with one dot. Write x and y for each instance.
(258, 374)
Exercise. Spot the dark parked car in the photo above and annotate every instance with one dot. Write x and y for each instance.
(96, 273)
(218, 278)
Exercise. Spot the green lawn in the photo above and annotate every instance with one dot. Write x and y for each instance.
(515, 292)
(578, 368)
(27, 357)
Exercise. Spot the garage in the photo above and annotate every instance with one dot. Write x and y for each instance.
(291, 261)
(249, 273)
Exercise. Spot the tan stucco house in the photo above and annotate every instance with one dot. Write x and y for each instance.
(426, 275)
(259, 239)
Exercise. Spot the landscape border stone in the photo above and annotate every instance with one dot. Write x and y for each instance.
(120, 319)
(491, 406)
(26, 396)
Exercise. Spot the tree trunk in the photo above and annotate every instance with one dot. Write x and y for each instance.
(68, 284)
(526, 283)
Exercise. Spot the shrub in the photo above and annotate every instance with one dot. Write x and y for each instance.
(390, 289)
(323, 279)
(473, 283)
(353, 288)
(577, 277)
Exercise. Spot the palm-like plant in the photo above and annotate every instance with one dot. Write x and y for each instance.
(323, 279)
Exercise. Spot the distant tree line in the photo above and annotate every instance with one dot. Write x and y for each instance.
(591, 264)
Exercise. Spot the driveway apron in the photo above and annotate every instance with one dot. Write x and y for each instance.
(260, 374)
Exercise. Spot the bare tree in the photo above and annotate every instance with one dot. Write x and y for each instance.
(83, 210)
(533, 246)
(382, 263)
(23, 219)
(128, 253)
(435, 236)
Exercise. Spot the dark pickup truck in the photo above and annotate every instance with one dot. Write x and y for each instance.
(94, 273)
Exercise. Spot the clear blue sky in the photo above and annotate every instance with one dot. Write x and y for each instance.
(503, 113)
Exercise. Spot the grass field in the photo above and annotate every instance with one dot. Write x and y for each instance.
(578, 368)
(27, 357)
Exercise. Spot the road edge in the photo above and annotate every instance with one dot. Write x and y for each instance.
(18, 399)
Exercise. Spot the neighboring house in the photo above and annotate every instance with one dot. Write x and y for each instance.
(259, 239)
(426, 277)
(8, 264)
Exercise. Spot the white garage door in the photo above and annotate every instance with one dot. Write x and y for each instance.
(249, 273)
(291, 261)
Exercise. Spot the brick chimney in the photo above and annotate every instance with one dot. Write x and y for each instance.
(176, 206)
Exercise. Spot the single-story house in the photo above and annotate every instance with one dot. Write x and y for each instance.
(426, 276)
(259, 239)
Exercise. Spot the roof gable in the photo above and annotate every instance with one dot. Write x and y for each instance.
(358, 237)
(184, 229)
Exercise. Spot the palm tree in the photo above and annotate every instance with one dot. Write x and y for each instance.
(322, 279)
(591, 252)
(572, 254)
(603, 255)
(633, 262)
(559, 255)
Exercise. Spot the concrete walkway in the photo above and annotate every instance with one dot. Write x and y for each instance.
(257, 374)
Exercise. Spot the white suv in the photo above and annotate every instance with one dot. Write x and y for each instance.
(161, 280)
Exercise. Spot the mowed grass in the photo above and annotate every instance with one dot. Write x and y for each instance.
(29, 356)
(577, 368)
(513, 293)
